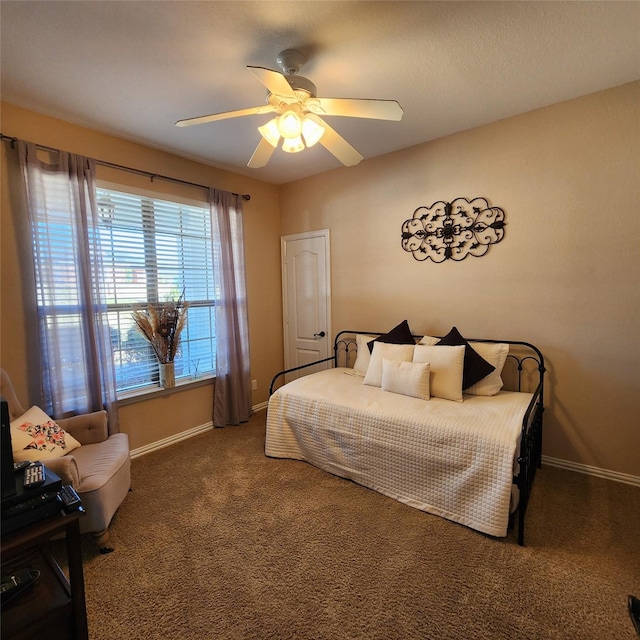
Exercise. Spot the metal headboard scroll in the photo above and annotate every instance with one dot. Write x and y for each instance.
(453, 230)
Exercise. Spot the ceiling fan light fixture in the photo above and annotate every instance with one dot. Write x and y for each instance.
(311, 131)
(293, 145)
(270, 132)
(290, 124)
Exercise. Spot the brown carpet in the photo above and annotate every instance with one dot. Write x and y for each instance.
(218, 541)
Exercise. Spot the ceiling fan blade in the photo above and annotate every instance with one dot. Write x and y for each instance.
(334, 143)
(267, 108)
(355, 108)
(274, 81)
(261, 155)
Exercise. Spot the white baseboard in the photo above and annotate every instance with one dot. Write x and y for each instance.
(183, 435)
(592, 471)
(165, 442)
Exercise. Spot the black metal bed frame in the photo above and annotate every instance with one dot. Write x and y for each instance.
(530, 457)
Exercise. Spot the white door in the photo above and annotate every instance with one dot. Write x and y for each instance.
(306, 294)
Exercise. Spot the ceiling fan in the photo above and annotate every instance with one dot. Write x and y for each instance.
(298, 123)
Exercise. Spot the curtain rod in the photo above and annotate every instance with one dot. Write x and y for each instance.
(113, 165)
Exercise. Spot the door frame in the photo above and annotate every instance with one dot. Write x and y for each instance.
(324, 233)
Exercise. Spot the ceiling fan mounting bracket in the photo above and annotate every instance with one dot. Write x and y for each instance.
(290, 61)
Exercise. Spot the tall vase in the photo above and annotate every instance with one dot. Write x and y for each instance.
(167, 375)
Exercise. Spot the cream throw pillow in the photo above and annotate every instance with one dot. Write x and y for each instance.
(495, 354)
(35, 436)
(447, 367)
(363, 355)
(382, 350)
(407, 378)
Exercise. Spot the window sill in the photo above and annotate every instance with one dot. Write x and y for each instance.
(155, 391)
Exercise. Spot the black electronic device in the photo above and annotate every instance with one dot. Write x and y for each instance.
(30, 505)
(30, 511)
(6, 462)
(16, 583)
(70, 499)
(52, 484)
(34, 476)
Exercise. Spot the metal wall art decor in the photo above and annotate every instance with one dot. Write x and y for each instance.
(453, 230)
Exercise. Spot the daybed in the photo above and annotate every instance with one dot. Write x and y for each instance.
(396, 420)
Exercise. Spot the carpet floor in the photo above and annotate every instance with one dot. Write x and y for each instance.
(218, 541)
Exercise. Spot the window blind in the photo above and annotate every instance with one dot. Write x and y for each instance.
(154, 250)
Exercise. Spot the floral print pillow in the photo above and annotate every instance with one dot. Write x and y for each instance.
(35, 436)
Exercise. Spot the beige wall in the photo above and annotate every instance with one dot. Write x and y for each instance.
(565, 277)
(161, 417)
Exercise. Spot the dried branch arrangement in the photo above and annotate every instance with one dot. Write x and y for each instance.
(161, 323)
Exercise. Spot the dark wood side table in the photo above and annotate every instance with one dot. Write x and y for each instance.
(54, 606)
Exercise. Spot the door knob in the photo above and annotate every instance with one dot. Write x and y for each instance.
(317, 336)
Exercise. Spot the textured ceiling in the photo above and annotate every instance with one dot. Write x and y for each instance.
(132, 68)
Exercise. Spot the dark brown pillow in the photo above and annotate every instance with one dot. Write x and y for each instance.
(475, 366)
(400, 334)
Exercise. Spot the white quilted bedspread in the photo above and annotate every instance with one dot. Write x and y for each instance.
(452, 459)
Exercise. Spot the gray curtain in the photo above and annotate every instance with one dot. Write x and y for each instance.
(77, 368)
(232, 398)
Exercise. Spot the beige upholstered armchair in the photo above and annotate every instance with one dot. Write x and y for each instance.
(99, 470)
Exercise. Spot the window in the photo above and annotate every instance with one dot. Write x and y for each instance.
(152, 251)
